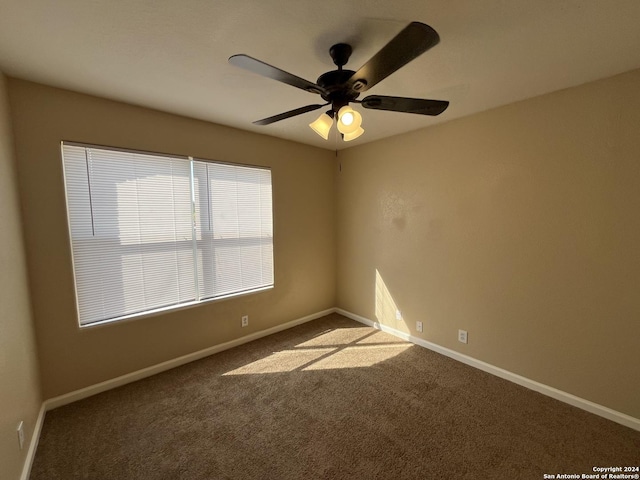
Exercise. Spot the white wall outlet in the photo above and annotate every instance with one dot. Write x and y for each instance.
(20, 431)
(419, 326)
(398, 315)
(245, 320)
(462, 336)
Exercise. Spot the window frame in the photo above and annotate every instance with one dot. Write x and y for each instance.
(174, 307)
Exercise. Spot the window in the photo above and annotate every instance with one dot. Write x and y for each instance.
(150, 232)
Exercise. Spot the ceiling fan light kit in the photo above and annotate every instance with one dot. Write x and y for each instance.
(348, 120)
(322, 125)
(347, 137)
(339, 88)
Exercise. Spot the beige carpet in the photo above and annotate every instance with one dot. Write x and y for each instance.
(330, 399)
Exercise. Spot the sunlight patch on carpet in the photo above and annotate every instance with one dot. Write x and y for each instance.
(358, 357)
(285, 361)
(308, 359)
(338, 336)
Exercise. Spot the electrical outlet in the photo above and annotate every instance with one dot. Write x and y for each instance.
(398, 315)
(419, 326)
(20, 431)
(245, 320)
(462, 336)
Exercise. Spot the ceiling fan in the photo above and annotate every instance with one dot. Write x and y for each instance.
(341, 87)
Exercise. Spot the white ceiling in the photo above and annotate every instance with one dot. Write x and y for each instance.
(171, 55)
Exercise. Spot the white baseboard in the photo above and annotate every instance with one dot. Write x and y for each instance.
(76, 395)
(600, 410)
(33, 444)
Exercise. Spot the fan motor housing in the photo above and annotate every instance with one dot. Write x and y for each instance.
(335, 85)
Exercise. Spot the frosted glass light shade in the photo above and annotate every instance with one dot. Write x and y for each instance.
(347, 137)
(348, 120)
(322, 125)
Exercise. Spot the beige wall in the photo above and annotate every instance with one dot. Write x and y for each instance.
(304, 238)
(19, 384)
(520, 225)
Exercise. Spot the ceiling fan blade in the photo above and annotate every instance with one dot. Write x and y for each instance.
(413, 41)
(269, 71)
(289, 114)
(407, 105)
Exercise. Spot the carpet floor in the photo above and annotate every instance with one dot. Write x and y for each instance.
(329, 399)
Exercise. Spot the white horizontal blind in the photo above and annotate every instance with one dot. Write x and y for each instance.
(236, 247)
(141, 238)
